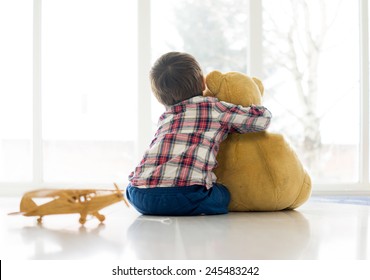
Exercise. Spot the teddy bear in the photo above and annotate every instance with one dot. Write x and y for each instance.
(260, 169)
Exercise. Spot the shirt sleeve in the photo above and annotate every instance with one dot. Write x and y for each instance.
(244, 119)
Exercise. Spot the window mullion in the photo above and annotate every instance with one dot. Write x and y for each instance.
(364, 91)
(37, 157)
(144, 105)
(254, 49)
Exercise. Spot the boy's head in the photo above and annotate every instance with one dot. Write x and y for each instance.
(175, 77)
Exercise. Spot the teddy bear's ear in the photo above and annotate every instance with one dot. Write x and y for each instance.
(213, 82)
(259, 84)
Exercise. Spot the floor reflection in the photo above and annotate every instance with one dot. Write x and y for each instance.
(81, 243)
(261, 235)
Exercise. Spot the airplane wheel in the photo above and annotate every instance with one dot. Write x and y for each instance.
(101, 218)
(39, 220)
(82, 220)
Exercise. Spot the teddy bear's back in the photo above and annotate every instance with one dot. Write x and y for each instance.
(262, 172)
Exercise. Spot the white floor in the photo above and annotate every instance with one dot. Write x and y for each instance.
(317, 230)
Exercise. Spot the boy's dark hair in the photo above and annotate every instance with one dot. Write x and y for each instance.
(175, 77)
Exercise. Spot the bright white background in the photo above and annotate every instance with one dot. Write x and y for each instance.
(76, 107)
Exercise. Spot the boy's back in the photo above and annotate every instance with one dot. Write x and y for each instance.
(183, 151)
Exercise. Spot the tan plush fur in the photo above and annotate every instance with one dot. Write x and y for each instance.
(261, 170)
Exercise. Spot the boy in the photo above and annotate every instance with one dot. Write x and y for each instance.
(175, 175)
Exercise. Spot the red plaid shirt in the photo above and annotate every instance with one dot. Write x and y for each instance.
(183, 151)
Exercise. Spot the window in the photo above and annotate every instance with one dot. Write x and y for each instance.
(77, 110)
(311, 73)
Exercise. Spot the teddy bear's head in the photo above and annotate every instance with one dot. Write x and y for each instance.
(234, 87)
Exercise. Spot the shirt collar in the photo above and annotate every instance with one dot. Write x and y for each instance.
(181, 106)
(193, 100)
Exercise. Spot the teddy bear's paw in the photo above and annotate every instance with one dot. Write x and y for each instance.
(304, 194)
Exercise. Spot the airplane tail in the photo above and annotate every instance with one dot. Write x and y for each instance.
(15, 213)
(27, 204)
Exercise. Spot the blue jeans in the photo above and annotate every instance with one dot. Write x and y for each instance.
(180, 201)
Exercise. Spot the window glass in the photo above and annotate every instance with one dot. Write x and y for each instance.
(89, 87)
(311, 76)
(15, 90)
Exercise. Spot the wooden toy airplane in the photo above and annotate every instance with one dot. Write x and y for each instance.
(70, 201)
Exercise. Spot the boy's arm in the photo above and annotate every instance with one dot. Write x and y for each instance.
(246, 119)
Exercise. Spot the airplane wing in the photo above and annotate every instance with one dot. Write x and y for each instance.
(58, 192)
(42, 193)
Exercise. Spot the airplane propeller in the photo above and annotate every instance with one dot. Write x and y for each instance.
(121, 194)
